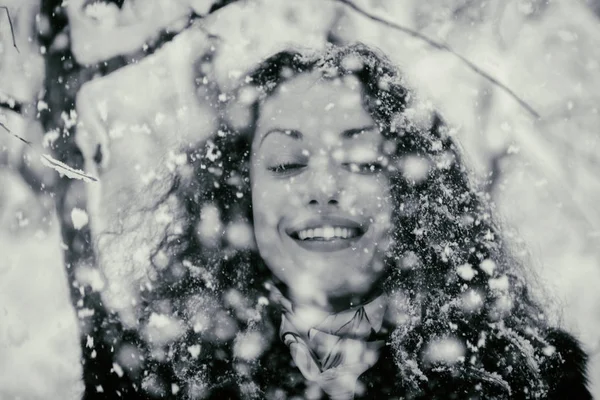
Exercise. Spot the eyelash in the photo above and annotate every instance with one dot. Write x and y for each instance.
(284, 168)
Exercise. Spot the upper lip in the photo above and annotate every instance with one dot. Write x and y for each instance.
(317, 221)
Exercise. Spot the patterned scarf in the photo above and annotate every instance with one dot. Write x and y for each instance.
(333, 349)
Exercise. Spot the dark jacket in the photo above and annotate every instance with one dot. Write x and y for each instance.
(564, 374)
(566, 379)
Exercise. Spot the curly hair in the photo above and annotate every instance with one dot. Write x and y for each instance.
(450, 275)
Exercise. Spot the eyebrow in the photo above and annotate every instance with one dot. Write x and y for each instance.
(293, 133)
(297, 135)
(350, 133)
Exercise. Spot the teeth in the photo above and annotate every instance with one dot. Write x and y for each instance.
(327, 232)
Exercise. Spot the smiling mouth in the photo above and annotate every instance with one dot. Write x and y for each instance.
(327, 233)
(328, 238)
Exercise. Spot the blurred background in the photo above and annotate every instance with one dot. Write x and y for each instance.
(99, 98)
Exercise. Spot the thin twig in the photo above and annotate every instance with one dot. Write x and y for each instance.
(441, 46)
(58, 166)
(12, 30)
(15, 135)
(66, 170)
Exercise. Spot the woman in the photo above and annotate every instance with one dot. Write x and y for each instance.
(333, 245)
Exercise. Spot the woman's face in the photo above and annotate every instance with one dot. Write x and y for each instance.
(320, 197)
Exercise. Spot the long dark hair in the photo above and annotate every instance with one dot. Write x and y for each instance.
(451, 279)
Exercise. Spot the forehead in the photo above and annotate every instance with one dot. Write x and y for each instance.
(314, 105)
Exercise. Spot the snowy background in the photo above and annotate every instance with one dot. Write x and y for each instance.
(110, 90)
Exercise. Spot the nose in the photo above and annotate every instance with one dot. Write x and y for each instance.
(330, 202)
(324, 186)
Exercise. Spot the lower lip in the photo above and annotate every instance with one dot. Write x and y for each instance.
(327, 245)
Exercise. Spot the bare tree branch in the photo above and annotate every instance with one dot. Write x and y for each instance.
(12, 30)
(53, 163)
(440, 46)
(66, 170)
(15, 135)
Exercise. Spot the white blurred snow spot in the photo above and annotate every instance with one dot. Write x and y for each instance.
(352, 62)
(240, 235)
(117, 369)
(447, 350)
(212, 152)
(86, 275)
(482, 339)
(162, 329)
(466, 272)
(225, 327)
(161, 259)
(140, 128)
(414, 168)
(500, 284)
(174, 388)
(445, 160)
(175, 160)
(502, 306)
(249, 346)
(472, 300)
(194, 350)
(79, 218)
(489, 236)
(409, 260)
(436, 145)
(42, 105)
(99, 389)
(362, 154)
(488, 266)
(159, 118)
(201, 324)
(142, 253)
(235, 74)
(513, 149)
(163, 215)
(85, 312)
(69, 119)
(263, 301)
(117, 130)
(549, 350)
(50, 137)
(210, 227)
(129, 357)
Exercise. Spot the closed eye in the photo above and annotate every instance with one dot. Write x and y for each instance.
(364, 168)
(285, 169)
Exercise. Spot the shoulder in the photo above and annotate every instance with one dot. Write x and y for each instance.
(562, 370)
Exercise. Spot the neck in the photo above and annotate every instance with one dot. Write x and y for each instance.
(336, 303)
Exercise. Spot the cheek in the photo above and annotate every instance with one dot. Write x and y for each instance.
(269, 204)
(369, 195)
